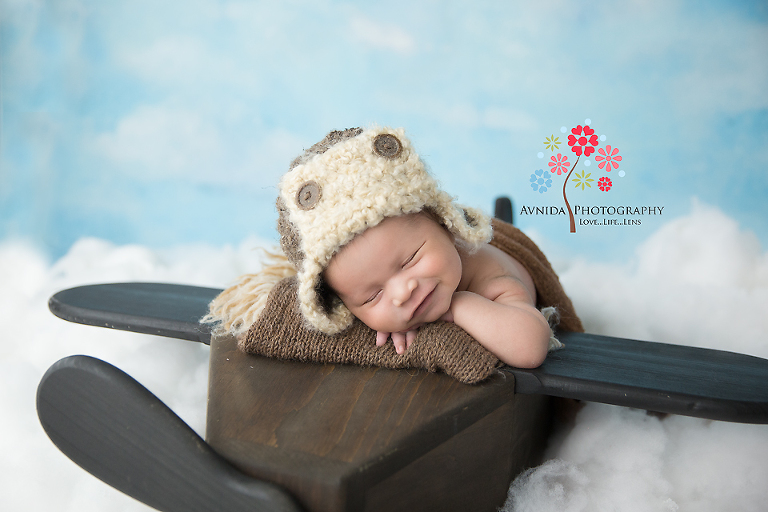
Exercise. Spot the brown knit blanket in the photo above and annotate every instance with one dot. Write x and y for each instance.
(280, 331)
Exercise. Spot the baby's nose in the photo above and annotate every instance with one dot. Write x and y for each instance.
(404, 292)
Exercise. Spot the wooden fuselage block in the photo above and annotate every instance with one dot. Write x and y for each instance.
(344, 438)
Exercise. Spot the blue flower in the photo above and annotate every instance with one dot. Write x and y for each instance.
(541, 181)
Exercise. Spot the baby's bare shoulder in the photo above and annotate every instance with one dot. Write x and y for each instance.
(492, 273)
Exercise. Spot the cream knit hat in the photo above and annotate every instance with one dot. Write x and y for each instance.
(345, 184)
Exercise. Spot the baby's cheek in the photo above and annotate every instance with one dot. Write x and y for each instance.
(448, 268)
(434, 265)
(373, 317)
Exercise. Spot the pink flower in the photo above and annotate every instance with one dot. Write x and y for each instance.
(604, 184)
(559, 164)
(586, 142)
(609, 158)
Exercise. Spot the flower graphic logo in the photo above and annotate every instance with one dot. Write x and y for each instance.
(540, 181)
(559, 164)
(608, 158)
(583, 141)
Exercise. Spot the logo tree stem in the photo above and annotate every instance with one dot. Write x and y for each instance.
(567, 204)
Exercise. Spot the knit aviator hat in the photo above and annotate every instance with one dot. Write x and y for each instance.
(347, 183)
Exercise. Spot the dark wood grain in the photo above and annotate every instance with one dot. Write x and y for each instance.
(121, 433)
(705, 383)
(162, 309)
(344, 438)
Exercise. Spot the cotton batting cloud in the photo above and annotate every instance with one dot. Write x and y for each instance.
(698, 280)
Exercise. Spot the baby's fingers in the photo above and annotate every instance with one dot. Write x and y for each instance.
(398, 338)
(410, 336)
(381, 338)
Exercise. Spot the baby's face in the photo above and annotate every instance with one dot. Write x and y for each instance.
(397, 275)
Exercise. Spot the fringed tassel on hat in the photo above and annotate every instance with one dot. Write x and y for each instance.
(235, 309)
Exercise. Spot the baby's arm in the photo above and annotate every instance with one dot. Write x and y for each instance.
(502, 319)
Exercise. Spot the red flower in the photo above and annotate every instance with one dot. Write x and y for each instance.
(609, 158)
(586, 142)
(558, 164)
(604, 184)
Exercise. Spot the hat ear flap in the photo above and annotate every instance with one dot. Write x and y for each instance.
(475, 226)
(320, 307)
(470, 226)
(290, 240)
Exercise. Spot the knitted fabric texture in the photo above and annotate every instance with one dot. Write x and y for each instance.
(344, 185)
(280, 332)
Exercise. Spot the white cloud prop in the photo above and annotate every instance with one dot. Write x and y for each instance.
(697, 281)
(35, 475)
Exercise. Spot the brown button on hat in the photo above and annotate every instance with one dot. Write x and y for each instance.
(308, 195)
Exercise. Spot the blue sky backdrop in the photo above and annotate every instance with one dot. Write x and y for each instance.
(166, 123)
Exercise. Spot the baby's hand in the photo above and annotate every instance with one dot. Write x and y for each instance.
(401, 340)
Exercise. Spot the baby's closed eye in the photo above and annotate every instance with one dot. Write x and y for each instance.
(372, 297)
(412, 256)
